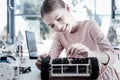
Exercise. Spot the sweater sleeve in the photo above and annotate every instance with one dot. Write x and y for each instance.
(102, 42)
(56, 47)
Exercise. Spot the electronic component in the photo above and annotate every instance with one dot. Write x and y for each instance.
(45, 68)
(23, 70)
(70, 67)
(9, 69)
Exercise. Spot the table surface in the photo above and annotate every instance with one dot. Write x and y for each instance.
(33, 75)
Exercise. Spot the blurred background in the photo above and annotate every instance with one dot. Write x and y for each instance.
(16, 16)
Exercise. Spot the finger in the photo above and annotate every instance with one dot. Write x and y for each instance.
(39, 59)
(68, 51)
(69, 56)
(72, 51)
(75, 51)
(48, 55)
(85, 50)
(43, 55)
(38, 64)
(83, 53)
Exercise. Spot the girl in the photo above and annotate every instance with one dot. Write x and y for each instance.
(80, 39)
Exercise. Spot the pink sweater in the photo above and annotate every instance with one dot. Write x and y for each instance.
(90, 35)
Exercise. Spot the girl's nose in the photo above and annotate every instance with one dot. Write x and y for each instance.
(60, 27)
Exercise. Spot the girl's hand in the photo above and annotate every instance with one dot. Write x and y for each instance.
(39, 60)
(78, 49)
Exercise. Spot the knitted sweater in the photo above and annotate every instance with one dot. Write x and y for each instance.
(90, 35)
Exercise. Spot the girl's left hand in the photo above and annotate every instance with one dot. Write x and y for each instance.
(78, 49)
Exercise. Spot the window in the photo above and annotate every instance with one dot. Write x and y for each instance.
(3, 19)
(91, 9)
(27, 17)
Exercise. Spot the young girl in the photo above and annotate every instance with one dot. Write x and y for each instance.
(80, 39)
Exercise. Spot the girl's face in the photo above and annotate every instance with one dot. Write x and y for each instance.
(59, 20)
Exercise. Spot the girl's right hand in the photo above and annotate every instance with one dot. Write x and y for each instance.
(78, 50)
(39, 60)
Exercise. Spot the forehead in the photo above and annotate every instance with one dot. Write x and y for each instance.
(48, 18)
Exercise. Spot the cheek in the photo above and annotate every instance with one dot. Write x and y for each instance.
(56, 29)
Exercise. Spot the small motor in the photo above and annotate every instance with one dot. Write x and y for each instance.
(86, 68)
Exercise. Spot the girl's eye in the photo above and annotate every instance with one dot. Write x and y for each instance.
(59, 19)
(52, 26)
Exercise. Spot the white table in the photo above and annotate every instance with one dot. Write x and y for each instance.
(33, 75)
